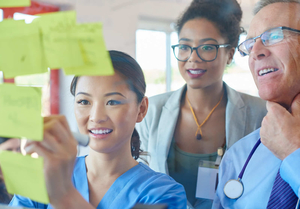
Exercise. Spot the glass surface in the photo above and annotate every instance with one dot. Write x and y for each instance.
(151, 55)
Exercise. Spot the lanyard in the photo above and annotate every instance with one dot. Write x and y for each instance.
(233, 189)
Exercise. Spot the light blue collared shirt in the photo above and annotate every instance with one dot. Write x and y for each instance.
(259, 175)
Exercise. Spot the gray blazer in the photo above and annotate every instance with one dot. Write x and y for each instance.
(244, 114)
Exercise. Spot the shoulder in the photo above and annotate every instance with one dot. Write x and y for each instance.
(161, 100)
(234, 95)
(152, 176)
(157, 103)
(252, 100)
(157, 187)
(242, 147)
(241, 100)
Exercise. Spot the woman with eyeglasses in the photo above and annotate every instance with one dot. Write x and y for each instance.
(205, 117)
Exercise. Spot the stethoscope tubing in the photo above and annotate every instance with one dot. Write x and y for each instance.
(248, 159)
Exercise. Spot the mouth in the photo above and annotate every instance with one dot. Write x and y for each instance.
(196, 71)
(267, 71)
(101, 131)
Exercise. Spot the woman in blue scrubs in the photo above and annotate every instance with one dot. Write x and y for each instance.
(107, 109)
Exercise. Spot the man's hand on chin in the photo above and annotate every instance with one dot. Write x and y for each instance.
(280, 130)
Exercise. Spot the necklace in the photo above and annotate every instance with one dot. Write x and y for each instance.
(199, 135)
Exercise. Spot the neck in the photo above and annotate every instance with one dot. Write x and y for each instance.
(105, 165)
(204, 98)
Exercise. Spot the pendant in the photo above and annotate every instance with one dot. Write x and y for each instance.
(199, 137)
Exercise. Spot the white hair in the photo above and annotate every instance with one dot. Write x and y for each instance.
(262, 3)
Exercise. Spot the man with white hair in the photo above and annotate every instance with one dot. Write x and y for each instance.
(267, 175)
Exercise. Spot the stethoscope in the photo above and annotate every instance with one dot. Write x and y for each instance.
(234, 188)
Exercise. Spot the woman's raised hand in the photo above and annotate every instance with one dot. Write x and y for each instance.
(59, 150)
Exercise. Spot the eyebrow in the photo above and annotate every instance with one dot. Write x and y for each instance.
(114, 93)
(106, 95)
(83, 94)
(201, 41)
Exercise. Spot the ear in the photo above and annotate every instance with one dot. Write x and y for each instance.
(143, 108)
(230, 55)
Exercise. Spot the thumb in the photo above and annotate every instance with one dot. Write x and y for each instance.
(295, 107)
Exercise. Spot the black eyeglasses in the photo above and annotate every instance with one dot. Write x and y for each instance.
(268, 38)
(206, 52)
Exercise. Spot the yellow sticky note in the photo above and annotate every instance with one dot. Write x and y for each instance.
(60, 46)
(21, 49)
(94, 53)
(14, 3)
(20, 112)
(24, 175)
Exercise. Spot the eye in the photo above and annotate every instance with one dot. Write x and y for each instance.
(183, 47)
(113, 102)
(272, 37)
(276, 36)
(83, 102)
(207, 48)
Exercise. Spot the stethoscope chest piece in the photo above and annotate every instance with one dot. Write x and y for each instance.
(233, 189)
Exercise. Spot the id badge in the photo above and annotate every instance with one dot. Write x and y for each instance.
(207, 180)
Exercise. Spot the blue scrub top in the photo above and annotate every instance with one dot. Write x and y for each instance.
(139, 184)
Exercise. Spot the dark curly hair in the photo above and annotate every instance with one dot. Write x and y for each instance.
(225, 14)
(133, 74)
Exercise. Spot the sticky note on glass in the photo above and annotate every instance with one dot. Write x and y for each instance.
(24, 175)
(21, 49)
(60, 46)
(15, 3)
(93, 51)
(20, 112)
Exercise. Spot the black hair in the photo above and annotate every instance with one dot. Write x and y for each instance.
(225, 14)
(3, 139)
(133, 74)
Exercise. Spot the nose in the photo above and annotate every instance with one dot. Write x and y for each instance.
(98, 114)
(194, 57)
(259, 50)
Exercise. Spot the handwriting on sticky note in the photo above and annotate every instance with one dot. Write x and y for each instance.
(24, 175)
(60, 46)
(93, 51)
(15, 3)
(20, 112)
(21, 49)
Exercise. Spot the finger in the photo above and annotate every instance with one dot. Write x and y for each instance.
(295, 107)
(28, 142)
(59, 118)
(50, 142)
(36, 147)
(57, 130)
(275, 110)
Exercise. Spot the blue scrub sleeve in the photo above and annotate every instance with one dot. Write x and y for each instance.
(26, 202)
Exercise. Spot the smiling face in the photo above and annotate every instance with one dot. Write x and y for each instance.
(198, 73)
(107, 111)
(282, 84)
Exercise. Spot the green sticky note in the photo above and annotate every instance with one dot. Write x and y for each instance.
(93, 51)
(20, 112)
(60, 46)
(14, 3)
(21, 49)
(24, 175)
